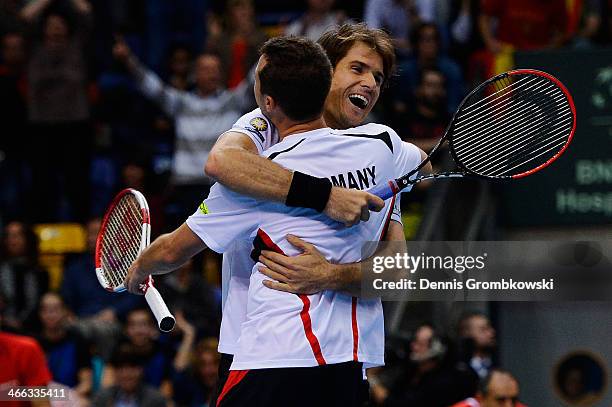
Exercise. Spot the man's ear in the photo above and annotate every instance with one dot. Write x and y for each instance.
(269, 103)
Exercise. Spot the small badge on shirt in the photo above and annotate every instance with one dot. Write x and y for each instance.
(203, 208)
(259, 124)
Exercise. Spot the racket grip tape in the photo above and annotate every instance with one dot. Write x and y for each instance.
(164, 318)
(385, 191)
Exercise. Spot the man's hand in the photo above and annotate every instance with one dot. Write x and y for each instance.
(350, 206)
(136, 280)
(307, 273)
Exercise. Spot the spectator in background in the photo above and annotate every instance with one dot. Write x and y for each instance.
(141, 333)
(59, 111)
(180, 67)
(464, 33)
(186, 290)
(138, 174)
(22, 280)
(397, 17)
(13, 113)
(237, 44)
(498, 389)
(129, 388)
(400, 17)
(200, 117)
(427, 54)
(423, 122)
(430, 369)
(23, 363)
(167, 22)
(477, 342)
(318, 18)
(522, 24)
(67, 352)
(584, 22)
(195, 382)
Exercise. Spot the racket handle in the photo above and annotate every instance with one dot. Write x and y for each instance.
(385, 191)
(164, 318)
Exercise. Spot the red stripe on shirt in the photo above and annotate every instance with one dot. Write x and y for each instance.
(304, 314)
(269, 243)
(310, 336)
(234, 377)
(355, 329)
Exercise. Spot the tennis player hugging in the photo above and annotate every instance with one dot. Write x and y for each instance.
(294, 343)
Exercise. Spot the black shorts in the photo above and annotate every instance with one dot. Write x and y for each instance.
(224, 369)
(334, 385)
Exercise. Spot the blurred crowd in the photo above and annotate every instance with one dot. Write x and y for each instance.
(100, 95)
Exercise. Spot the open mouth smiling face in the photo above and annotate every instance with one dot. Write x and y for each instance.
(356, 85)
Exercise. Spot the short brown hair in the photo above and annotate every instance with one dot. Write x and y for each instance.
(297, 75)
(340, 40)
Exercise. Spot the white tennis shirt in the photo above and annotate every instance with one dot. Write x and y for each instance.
(288, 330)
(237, 262)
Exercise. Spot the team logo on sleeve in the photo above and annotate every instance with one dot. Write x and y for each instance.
(203, 208)
(259, 124)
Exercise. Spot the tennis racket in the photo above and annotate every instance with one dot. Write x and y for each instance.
(511, 126)
(124, 234)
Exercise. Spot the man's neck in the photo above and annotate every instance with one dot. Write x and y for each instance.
(287, 127)
(331, 122)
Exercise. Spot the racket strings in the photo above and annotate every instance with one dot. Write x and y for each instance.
(499, 86)
(123, 251)
(513, 126)
(533, 143)
(125, 244)
(122, 239)
(520, 143)
(509, 124)
(499, 90)
(499, 105)
(515, 123)
(117, 252)
(506, 165)
(530, 150)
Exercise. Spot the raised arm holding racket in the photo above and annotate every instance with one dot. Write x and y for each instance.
(509, 127)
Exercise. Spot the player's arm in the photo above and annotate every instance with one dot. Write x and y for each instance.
(234, 161)
(167, 253)
(310, 272)
(427, 169)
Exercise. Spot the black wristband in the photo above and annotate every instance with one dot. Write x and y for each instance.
(307, 191)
